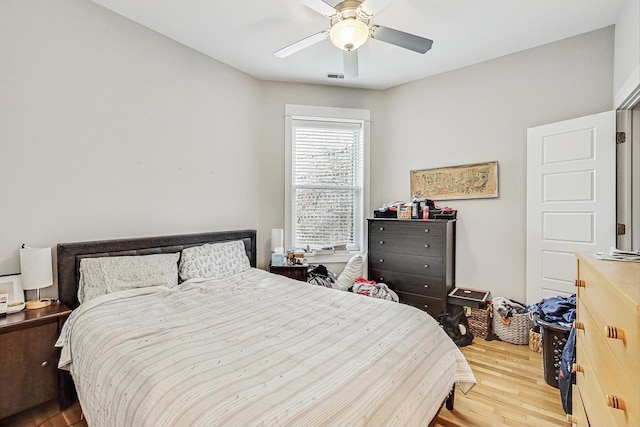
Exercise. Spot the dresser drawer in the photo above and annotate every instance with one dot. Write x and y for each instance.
(410, 245)
(597, 365)
(410, 264)
(433, 306)
(579, 415)
(611, 311)
(592, 394)
(415, 284)
(409, 228)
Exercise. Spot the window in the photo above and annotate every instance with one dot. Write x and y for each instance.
(327, 177)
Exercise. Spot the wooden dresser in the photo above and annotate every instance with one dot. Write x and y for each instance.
(607, 390)
(415, 258)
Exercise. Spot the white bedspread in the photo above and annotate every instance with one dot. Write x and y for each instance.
(257, 349)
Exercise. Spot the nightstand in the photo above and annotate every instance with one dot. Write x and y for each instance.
(297, 272)
(29, 372)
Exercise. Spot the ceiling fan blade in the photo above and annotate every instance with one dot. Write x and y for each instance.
(373, 7)
(321, 7)
(301, 44)
(350, 59)
(400, 38)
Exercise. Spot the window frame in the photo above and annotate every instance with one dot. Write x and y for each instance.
(306, 112)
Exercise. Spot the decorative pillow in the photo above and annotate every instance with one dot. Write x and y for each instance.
(99, 276)
(353, 270)
(214, 260)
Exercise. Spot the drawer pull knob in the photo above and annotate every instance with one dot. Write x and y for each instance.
(382, 279)
(426, 306)
(426, 285)
(45, 364)
(579, 283)
(577, 368)
(614, 333)
(578, 325)
(426, 246)
(615, 402)
(426, 230)
(382, 242)
(381, 261)
(426, 266)
(381, 228)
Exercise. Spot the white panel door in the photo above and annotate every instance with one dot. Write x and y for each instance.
(571, 199)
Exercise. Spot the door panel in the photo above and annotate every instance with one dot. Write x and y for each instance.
(571, 200)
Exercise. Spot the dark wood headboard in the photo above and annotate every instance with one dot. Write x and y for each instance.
(70, 254)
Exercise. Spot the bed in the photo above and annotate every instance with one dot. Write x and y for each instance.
(240, 346)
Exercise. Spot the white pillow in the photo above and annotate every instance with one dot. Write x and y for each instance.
(353, 270)
(100, 276)
(214, 260)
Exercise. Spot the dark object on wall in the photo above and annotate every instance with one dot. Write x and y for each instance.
(455, 325)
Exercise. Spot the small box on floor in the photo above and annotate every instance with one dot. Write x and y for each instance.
(475, 298)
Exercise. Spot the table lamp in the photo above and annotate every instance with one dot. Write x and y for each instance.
(277, 249)
(37, 273)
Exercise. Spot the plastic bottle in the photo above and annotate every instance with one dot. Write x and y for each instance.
(415, 208)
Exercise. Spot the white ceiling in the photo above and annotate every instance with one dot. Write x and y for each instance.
(245, 34)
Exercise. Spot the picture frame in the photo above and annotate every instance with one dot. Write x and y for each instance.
(12, 286)
(472, 181)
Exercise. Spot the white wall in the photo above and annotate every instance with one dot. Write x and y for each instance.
(626, 78)
(481, 113)
(110, 130)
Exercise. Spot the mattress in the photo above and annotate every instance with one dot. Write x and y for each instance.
(257, 349)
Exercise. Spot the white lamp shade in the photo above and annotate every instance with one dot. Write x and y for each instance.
(36, 268)
(277, 238)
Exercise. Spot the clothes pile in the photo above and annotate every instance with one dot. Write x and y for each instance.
(370, 288)
(558, 310)
(506, 308)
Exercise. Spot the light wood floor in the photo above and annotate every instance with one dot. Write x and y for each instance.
(511, 391)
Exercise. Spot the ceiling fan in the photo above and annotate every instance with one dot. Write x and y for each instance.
(350, 29)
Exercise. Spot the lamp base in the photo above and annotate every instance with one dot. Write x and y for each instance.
(34, 304)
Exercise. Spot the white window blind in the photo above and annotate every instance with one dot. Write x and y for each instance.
(326, 183)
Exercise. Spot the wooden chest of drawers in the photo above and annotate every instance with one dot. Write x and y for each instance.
(415, 258)
(607, 390)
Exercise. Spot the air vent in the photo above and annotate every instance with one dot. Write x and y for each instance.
(335, 75)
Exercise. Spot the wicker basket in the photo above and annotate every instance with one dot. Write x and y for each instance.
(535, 339)
(480, 322)
(516, 332)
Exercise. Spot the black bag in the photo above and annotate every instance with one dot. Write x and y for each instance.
(456, 325)
(320, 276)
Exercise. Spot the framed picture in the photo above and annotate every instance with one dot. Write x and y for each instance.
(12, 286)
(474, 181)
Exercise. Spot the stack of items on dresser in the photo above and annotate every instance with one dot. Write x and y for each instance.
(415, 209)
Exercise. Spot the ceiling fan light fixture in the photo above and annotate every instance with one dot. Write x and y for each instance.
(349, 34)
